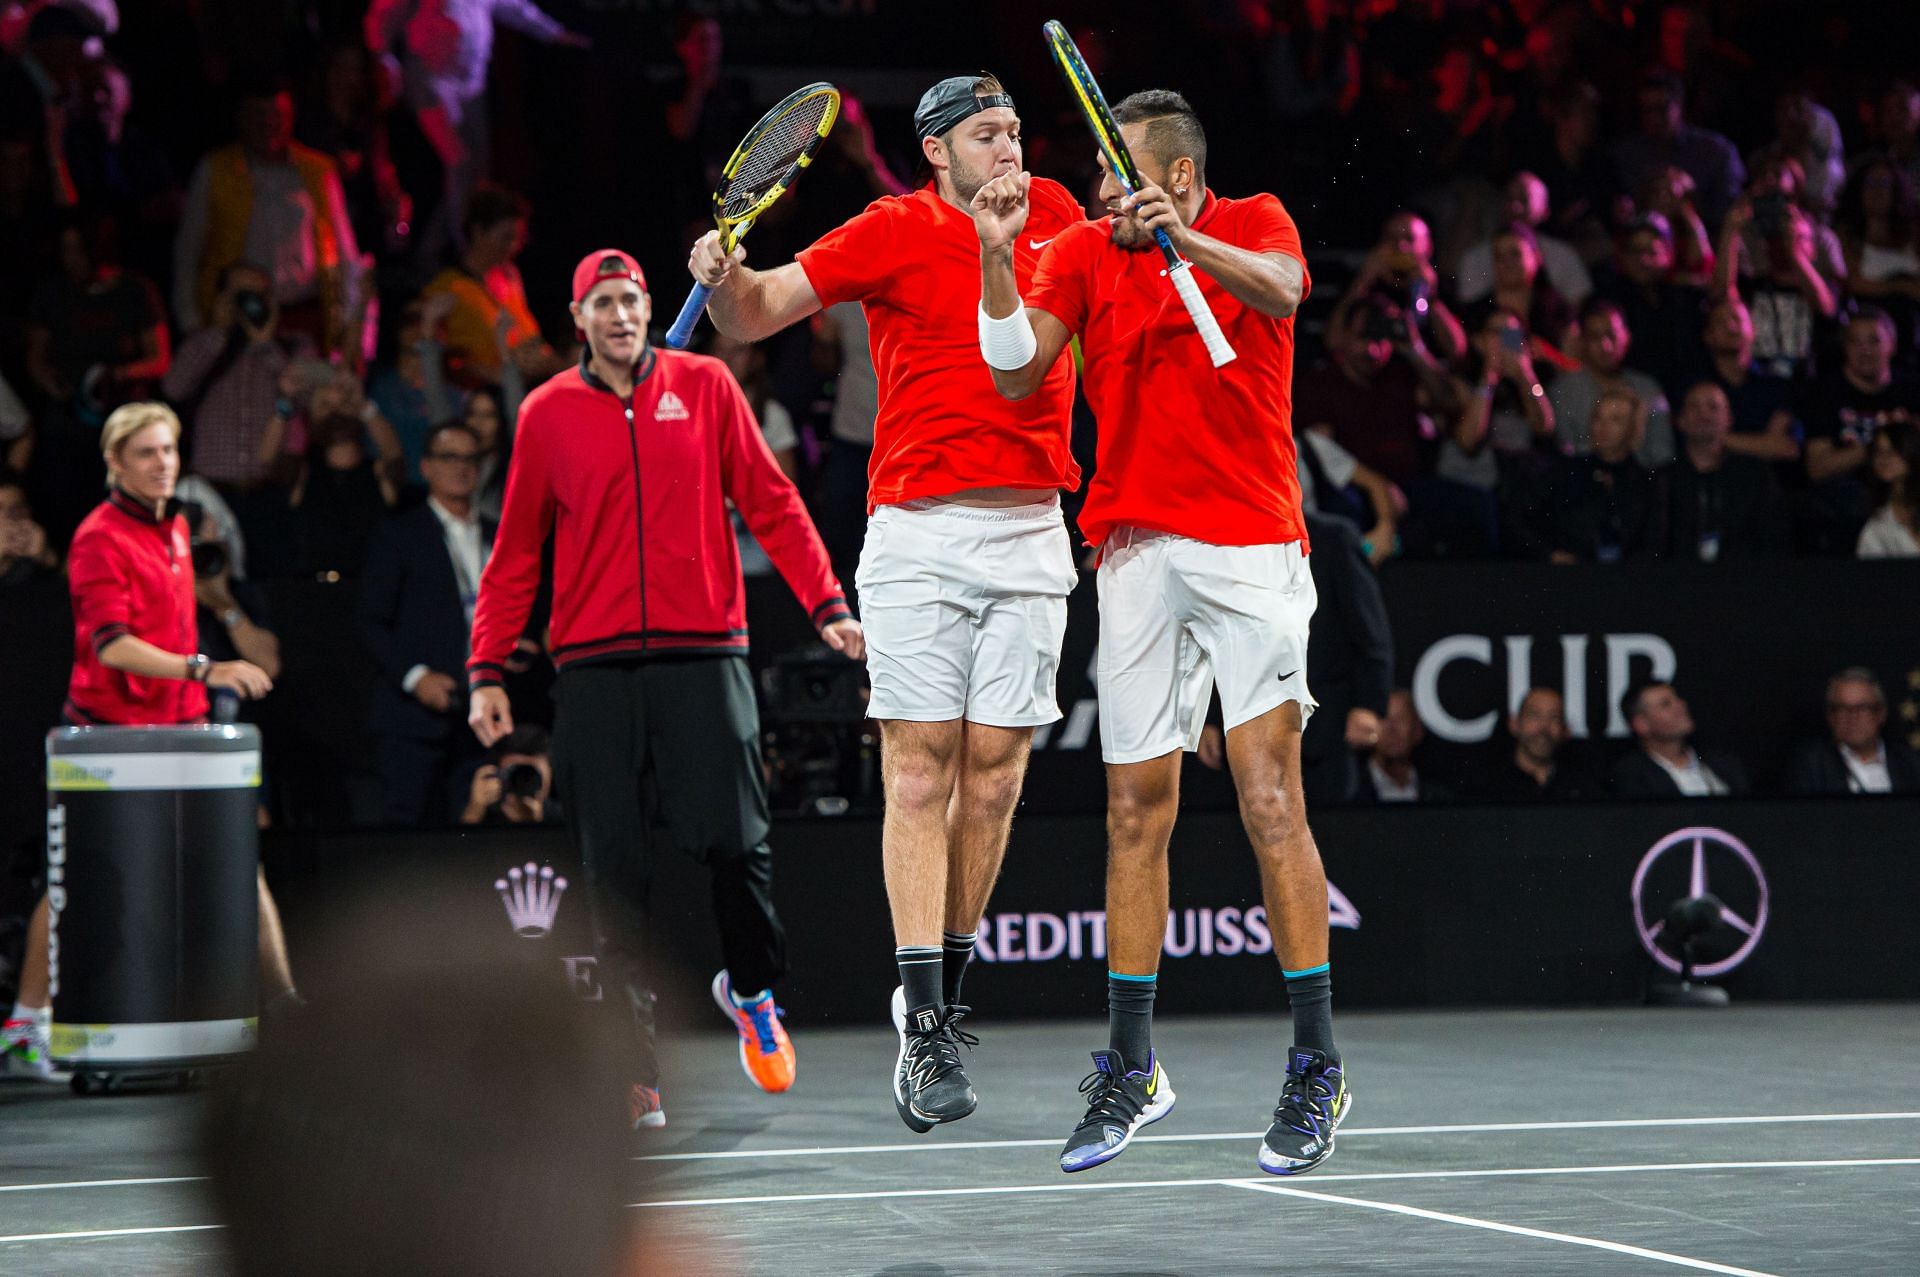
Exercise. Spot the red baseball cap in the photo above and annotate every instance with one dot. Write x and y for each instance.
(605, 263)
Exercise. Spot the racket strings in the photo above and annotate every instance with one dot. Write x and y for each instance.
(772, 153)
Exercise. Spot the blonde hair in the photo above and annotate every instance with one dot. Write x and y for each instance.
(128, 420)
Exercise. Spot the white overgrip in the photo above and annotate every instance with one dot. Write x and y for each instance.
(1218, 348)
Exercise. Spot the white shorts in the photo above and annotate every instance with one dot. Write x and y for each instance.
(964, 609)
(1178, 616)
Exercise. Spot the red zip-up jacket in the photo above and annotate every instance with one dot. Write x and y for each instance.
(131, 572)
(634, 493)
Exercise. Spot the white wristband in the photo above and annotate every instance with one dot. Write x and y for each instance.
(1007, 344)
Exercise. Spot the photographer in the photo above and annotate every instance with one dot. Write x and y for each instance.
(1786, 267)
(225, 379)
(516, 788)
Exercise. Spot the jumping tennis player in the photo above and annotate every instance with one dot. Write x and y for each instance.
(963, 580)
(627, 463)
(1203, 576)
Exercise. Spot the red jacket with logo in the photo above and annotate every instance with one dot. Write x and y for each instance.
(634, 493)
(131, 572)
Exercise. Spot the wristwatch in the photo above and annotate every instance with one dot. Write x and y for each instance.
(232, 617)
(198, 666)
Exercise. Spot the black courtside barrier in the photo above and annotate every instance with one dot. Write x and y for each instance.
(1432, 906)
(152, 853)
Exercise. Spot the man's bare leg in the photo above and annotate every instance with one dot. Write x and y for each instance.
(33, 994)
(276, 973)
(993, 764)
(1265, 756)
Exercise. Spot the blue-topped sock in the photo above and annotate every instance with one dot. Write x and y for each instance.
(1310, 993)
(1130, 1017)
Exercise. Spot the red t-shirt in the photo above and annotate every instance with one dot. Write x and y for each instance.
(913, 262)
(1185, 447)
(131, 573)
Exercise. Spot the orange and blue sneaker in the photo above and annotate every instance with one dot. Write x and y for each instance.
(1119, 1102)
(1313, 1103)
(644, 1107)
(766, 1053)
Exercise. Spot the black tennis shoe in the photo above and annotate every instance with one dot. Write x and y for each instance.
(929, 1085)
(1312, 1105)
(1119, 1103)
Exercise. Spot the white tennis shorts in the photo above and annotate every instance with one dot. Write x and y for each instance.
(964, 609)
(1178, 616)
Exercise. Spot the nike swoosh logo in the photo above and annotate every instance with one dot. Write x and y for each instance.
(1037, 244)
(1289, 674)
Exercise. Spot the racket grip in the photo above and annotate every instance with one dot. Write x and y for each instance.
(1218, 348)
(683, 325)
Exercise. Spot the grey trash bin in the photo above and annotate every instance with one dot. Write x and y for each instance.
(152, 851)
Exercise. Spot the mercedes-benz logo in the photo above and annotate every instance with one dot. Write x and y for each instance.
(1743, 888)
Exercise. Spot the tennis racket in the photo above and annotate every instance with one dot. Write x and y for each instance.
(1106, 133)
(767, 161)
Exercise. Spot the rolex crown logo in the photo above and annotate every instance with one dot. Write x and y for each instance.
(531, 895)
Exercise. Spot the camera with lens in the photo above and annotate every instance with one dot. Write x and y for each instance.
(253, 307)
(821, 758)
(815, 686)
(520, 780)
(1770, 215)
(1384, 323)
(210, 559)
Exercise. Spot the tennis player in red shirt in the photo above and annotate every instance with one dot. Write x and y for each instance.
(963, 580)
(1195, 506)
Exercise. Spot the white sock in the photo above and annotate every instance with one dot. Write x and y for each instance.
(42, 1016)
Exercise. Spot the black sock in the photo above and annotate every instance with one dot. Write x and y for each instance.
(920, 975)
(956, 952)
(1311, 994)
(1130, 1017)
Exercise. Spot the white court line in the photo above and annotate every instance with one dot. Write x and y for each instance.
(1618, 1248)
(1086, 1186)
(1082, 1186)
(1471, 1129)
(101, 1183)
(111, 1232)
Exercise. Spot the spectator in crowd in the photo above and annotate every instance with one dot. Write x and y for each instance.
(1605, 505)
(1574, 169)
(1378, 391)
(1898, 118)
(840, 351)
(231, 613)
(1879, 230)
(25, 553)
(747, 361)
(445, 48)
(1334, 483)
(266, 198)
(1662, 762)
(97, 338)
(1893, 493)
(1669, 196)
(1399, 269)
(16, 431)
(1720, 505)
(1770, 257)
(349, 127)
(488, 292)
(39, 86)
(486, 413)
(1518, 287)
(1349, 663)
(1765, 426)
(1857, 757)
(415, 610)
(1663, 315)
(1806, 133)
(516, 786)
(411, 390)
(1535, 771)
(1843, 415)
(1526, 202)
(1666, 140)
(338, 495)
(1390, 776)
(225, 381)
(1604, 343)
(1502, 440)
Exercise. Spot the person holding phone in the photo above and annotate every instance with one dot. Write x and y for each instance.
(1503, 436)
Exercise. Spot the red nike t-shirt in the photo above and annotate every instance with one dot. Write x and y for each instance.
(1185, 447)
(913, 262)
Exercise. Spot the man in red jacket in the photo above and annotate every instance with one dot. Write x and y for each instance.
(627, 462)
(965, 573)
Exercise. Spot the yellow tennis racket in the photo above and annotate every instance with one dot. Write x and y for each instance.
(767, 162)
